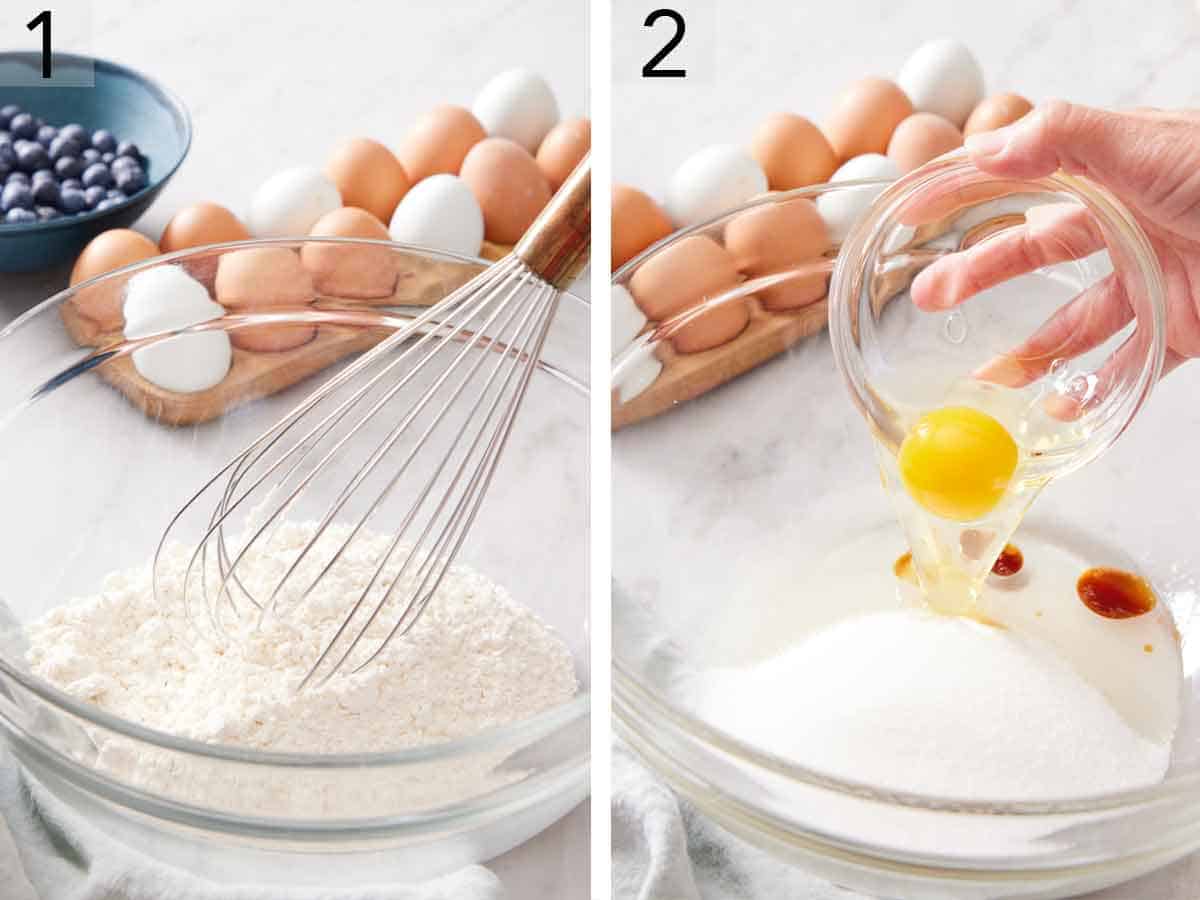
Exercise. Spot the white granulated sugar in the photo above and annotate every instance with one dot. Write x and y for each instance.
(474, 660)
(916, 702)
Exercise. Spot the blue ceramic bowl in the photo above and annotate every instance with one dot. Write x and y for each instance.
(127, 103)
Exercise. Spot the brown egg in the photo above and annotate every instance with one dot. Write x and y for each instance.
(562, 149)
(684, 275)
(637, 222)
(864, 117)
(792, 152)
(921, 137)
(109, 250)
(262, 278)
(509, 186)
(200, 224)
(996, 112)
(356, 273)
(439, 142)
(195, 226)
(369, 176)
(776, 237)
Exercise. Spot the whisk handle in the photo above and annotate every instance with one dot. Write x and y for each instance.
(557, 244)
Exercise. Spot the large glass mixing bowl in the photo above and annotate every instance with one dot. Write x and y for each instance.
(90, 482)
(728, 494)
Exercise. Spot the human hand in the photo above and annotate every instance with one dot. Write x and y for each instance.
(1150, 159)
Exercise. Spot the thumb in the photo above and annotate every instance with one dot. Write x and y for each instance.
(1114, 149)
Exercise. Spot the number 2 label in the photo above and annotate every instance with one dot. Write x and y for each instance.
(650, 69)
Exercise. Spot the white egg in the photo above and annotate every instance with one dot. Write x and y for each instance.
(439, 212)
(841, 209)
(712, 181)
(943, 77)
(289, 203)
(627, 319)
(635, 374)
(164, 299)
(518, 105)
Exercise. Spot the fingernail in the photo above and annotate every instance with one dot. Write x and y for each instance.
(988, 143)
(1006, 371)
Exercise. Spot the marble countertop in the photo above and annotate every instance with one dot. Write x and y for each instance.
(270, 86)
(750, 58)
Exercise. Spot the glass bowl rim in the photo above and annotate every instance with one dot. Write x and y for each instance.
(520, 733)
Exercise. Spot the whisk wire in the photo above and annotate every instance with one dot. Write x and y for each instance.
(426, 561)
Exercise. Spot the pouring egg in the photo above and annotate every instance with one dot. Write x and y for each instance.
(957, 462)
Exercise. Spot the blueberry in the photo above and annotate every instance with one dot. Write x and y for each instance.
(130, 181)
(76, 132)
(90, 155)
(130, 149)
(7, 113)
(20, 216)
(46, 193)
(23, 126)
(104, 141)
(6, 136)
(18, 178)
(32, 156)
(72, 200)
(97, 175)
(62, 146)
(93, 195)
(124, 162)
(43, 175)
(107, 158)
(8, 155)
(72, 183)
(46, 135)
(69, 167)
(16, 196)
(46, 213)
(108, 203)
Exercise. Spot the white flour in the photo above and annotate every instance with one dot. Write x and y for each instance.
(475, 659)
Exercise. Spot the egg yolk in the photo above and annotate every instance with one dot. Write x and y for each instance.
(957, 463)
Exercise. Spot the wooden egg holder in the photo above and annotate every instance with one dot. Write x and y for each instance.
(685, 376)
(422, 282)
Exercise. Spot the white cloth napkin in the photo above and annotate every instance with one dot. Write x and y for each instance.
(49, 853)
(665, 850)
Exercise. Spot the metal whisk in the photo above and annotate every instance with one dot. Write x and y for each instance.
(452, 379)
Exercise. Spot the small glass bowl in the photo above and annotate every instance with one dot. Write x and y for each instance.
(94, 474)
(1067, 239)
